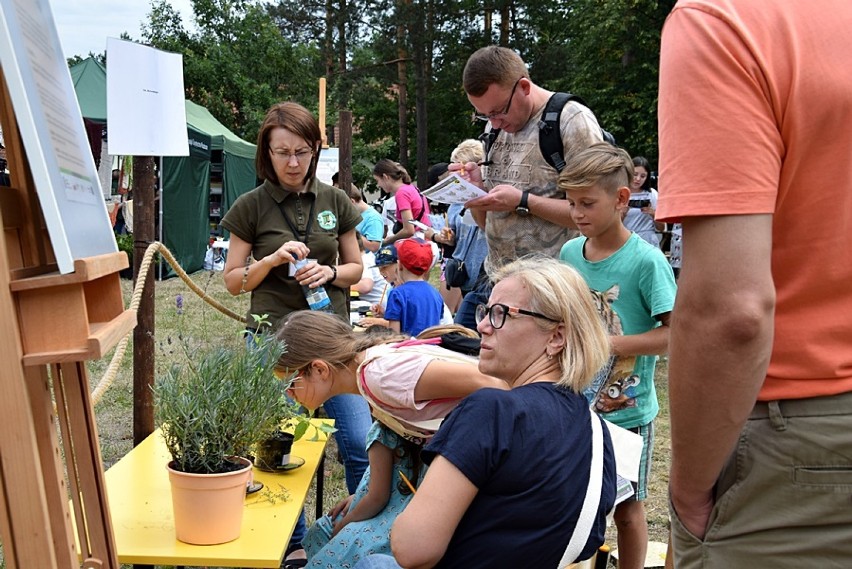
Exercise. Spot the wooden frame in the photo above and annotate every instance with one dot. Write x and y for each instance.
(60, 320)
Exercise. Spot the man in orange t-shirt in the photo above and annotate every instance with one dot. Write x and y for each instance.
(755, 138)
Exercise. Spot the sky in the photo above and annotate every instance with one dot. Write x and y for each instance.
(85, 25)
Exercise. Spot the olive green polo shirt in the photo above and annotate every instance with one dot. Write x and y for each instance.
(257, 218)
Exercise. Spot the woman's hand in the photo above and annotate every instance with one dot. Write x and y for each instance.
(313, 275)
(289, 252)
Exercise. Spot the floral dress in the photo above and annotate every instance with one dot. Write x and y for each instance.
(359, 539)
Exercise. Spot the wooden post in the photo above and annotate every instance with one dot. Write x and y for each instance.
(322, 112)
(344, 166)
(144, 214)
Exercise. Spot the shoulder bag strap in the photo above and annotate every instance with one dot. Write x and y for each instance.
(593, 498)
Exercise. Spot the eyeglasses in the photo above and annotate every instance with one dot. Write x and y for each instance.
(500, 115)
(497, 314)
(301, 156)
(291, 376)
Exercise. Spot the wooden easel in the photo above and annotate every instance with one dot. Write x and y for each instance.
(50, 322)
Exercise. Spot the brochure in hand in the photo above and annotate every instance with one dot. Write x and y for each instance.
(453, 189)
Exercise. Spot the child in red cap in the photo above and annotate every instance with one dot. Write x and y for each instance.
(414, 304)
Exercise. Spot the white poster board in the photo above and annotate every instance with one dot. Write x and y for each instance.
(53, 134)
(146, 113)
(327, 164)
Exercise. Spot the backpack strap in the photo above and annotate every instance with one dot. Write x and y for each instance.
(550, 135)
(487, 138)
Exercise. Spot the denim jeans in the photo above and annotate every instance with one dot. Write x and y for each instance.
(353, 421)
(466, 315)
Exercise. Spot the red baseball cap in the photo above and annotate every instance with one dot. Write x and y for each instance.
(415, 255)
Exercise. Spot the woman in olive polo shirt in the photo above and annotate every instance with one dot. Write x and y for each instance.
(291, 216)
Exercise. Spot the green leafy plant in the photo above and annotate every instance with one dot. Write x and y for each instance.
(223, 399)
(218, 403)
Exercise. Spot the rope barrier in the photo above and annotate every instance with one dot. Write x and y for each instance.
(155, 247)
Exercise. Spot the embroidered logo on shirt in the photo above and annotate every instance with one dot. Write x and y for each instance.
(327, 219)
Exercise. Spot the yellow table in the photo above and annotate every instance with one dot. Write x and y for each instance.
(140, 504)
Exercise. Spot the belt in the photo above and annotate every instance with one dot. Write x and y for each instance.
(839, 404)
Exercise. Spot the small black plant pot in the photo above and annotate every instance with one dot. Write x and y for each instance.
(274, 453)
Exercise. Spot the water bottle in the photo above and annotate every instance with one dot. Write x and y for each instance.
(317, 297)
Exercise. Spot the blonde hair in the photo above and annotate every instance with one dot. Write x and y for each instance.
(309, 335)
(601, 164)
(469, 150)
(559, 292)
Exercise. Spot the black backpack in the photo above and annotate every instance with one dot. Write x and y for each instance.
(549, 139)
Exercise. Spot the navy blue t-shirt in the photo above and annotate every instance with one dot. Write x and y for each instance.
(528, 451)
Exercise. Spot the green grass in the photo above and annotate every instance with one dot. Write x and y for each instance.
(199, 322)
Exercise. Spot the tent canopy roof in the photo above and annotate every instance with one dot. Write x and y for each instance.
(89, 78)
(221, 138)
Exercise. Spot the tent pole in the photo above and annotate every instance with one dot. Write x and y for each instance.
(160, 214)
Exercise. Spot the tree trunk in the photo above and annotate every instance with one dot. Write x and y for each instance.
(328, 42)
(505, 20)
(421, 69)
(402, 82)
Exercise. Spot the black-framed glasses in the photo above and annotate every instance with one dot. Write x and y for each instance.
(497, 314)
(301, 156)
(504, 112)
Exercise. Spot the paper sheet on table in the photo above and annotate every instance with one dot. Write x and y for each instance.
(453, 189)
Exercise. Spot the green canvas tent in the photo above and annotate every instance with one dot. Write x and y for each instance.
(238, 173)
(185, 206)
(186, 184)
(89, 78)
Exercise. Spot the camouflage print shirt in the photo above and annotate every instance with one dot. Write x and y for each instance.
(517, 161)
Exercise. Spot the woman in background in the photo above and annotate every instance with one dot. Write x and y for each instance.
(393, 178)
(643, 204)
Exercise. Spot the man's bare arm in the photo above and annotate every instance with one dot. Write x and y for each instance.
(721, 340)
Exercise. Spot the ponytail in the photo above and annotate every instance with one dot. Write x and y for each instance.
(394, 170)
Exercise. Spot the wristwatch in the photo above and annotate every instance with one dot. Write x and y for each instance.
(523, 209)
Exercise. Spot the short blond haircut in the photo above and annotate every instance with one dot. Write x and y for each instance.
(469, 150)
(601, 164)
(560, 293)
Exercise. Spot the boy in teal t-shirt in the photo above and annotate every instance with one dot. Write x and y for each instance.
(635, 286)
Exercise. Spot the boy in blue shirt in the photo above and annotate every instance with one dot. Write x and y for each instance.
(414, 304)
(636, 290)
